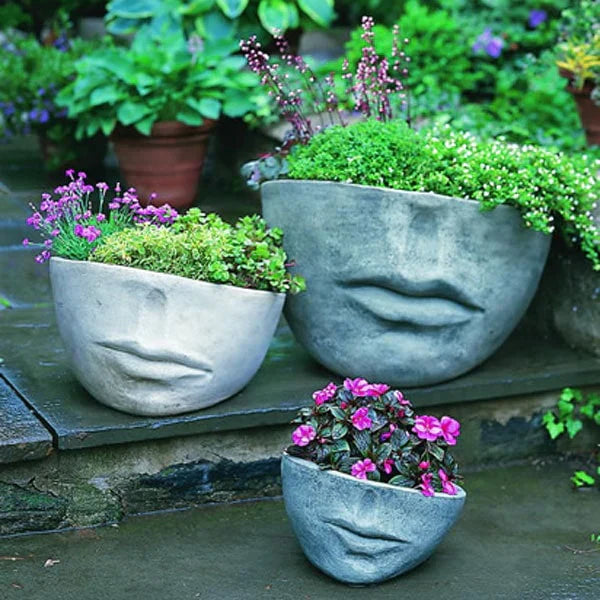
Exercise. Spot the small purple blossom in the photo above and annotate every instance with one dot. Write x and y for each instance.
(536, 17)
(26, 242)
(490, 44)
(447, 486)
(362, 467)
(360, 419)
(303, 435)
(425, 485)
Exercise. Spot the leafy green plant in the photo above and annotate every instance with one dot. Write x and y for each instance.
(159, 78)
(541, 184)
(568, 417)
(216, 18)
(32, 75)
(204, 247)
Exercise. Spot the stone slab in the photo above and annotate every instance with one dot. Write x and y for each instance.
(35, 364)
(22, 436)
(23, 283)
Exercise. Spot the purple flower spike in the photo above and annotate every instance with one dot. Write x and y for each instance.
(536, 17)
(490, 44)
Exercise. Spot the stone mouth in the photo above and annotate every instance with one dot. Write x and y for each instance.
(361, 540)
(149, 363)
(430, 303)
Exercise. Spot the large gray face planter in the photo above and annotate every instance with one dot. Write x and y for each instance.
(360, 531)
(154, 344)
(403, 287)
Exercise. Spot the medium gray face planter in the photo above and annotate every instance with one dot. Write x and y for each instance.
(403, 287)
(154, 344)
(359, 531)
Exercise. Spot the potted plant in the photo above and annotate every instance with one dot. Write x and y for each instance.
(189, 302)
(369, 486)
(33, 74)
(412, 277)
(579, 62)
(158, 100)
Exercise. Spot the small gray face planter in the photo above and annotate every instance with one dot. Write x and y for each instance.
(363, 532)
(403, 287)
(155, 344)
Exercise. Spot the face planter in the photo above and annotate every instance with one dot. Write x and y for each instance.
(404, 287)
(155, 344)
(359, 531)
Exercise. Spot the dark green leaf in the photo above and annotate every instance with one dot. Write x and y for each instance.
(274, 15)
(339, 431)
(101, 95)
(320, 11)
(207, 107)
(145, 125)
(336, 411)
(340, 446)
(214, 26)
(401, 481)
(134, 9)
(573, 427)
(437, 452)
(581, 478)
(232, 8)
(130, 112)
(362, 439)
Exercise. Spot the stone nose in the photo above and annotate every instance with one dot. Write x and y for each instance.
(425, 239)
(152, 317)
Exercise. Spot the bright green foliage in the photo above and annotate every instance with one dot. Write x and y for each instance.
(571, 410)
(159, 78)
(541, 184)
(204, 247)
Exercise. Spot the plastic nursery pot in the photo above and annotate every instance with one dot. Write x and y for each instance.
(170, 344)
(168, 162)
(360, 531)
(404, 287)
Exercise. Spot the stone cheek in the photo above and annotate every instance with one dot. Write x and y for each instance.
(402, 287)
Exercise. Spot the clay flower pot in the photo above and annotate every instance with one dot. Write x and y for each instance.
(361, 531)
(155, 344)
(403, 287)
(589, 111)
(168, 162)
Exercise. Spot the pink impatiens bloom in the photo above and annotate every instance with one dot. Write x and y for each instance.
(424, 464)
(450, 430)
(303, 435)
(425, 485)
(447, 486)
(362, 467)
(359, 386)
(401, 399)
(360, 419)
(324, 395)
(427, 428)
(388, 465)
(377, 389)
(386, 436)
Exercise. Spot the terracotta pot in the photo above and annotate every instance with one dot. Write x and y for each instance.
(589, 112)
(167, 163)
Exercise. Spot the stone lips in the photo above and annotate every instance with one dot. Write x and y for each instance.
(155, 344)
(363, 532)
(408, 288)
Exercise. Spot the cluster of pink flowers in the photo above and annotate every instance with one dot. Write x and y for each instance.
(371, 432)
(69, 218)
(430, 429)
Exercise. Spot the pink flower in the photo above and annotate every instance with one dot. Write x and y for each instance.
(447, 486)
(343, 405)
(386, 436)
(358, 387)
(427, 428)
(377, 389)
(388, 465)
(327, 393)
(361, 420)
(424, 464)
(400, 397)
(362, 467)
(450, 430)
(425, 485)
(304, 435)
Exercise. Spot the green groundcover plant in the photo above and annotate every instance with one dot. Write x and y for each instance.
(572, 410)
(116, 229)
(370, 431)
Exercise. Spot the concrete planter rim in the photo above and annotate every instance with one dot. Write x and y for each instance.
(162, 276)
(390, 192)
(307, 464)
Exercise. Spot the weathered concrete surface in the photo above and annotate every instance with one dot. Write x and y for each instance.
(524, 535)
(22, 436)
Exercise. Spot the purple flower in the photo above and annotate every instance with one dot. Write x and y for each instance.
(425, 485)
(42, 257)
(361, 420)
(536, 17)
(43, 116)
(26, 242)
(388, 465)
(447, 486)
(377, 389)
(401, 399)
(362, 467)
(450, 430)
(359, 386)
(303, 435)
(490, 44)
(324, 395)
(427, 428)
